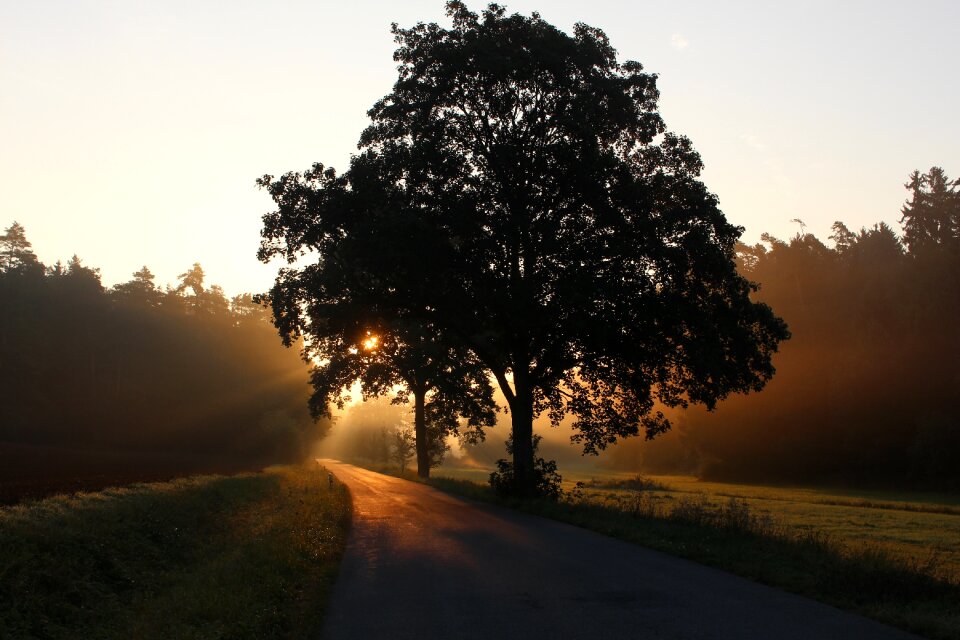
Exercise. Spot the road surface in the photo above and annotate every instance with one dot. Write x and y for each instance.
(425, 565)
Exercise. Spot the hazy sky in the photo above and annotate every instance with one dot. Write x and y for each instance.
(131, 133)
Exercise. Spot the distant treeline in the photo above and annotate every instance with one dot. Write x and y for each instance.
(868, 389)
(175, 374)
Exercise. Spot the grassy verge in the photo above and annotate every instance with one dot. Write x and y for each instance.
(863, 578)
(246, 556)
(917, 528)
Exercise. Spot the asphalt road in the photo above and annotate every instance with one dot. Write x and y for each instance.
(423, 564)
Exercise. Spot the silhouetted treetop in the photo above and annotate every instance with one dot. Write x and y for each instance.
(497, 86)
(931, 217)
(141, 290)
(82, 277)
(16, 253)
(192, 279)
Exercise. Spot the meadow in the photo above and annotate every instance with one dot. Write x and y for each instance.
(243, 556)
(891, 556)
(920, 528)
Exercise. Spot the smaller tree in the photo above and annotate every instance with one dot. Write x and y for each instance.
(80, 280)
(248, 308)
(843, 238)
(352, 333)
(140, 291)
(931, 216)
(404, 446)
(192, 279)
(16, 253)
(447, 387)
(205, 300)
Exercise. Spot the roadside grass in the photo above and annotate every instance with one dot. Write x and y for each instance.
(911, 593)
(206, 557)
(919, 501)
(911, 526)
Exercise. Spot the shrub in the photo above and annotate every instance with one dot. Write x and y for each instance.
(546, 478)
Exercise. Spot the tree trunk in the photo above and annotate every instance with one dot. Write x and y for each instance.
(420, 432)
(522, 419)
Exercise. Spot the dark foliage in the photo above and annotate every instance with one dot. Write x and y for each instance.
(546, 480)
(352, 333)
(183, 374)
(866, 392)
(931, 216)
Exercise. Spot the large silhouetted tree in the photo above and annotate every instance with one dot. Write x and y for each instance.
(519, 191)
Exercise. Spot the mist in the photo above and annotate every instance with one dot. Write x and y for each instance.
(865, 390)
(362, 432)
(136, 382)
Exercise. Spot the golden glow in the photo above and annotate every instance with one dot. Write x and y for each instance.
(371, 342)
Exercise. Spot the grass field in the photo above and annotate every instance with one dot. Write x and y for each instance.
(921, 528)
(244, 556)
(892, 557)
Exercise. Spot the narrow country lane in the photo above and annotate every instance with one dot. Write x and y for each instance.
(425, 565)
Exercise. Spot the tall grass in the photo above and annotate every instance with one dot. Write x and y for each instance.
(246, 556)
(637, 482)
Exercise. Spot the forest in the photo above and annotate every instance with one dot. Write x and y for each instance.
(866, 389)
(183, 378)
(139, 379)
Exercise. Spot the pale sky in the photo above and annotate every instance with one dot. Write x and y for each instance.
(131, 132)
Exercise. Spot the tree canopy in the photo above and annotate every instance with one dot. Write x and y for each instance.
(518, 190)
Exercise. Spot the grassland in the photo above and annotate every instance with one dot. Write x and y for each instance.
(892, 557)
(244, 556)
(921, 529)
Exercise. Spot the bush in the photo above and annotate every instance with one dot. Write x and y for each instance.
(546, 479)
